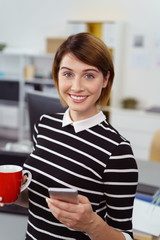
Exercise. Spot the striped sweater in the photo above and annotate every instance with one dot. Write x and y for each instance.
(98, 162)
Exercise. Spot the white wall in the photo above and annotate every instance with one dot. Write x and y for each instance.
(27, 23)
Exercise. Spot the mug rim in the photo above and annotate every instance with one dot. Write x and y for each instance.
(10, 168)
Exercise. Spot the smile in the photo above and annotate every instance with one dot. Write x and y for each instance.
(78, 98)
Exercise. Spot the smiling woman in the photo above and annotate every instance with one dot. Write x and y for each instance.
(89, 50)
(79, 149)
(80, 86)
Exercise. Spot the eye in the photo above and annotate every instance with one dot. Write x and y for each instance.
(68, 75)
(89, 76)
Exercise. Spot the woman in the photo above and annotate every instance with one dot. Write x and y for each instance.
(80, 149)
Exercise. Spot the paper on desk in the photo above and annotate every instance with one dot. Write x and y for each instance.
(146, 217)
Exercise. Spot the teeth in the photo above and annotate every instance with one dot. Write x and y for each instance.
(78, 98)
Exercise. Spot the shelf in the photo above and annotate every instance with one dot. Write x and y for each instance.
(8, 103)
(12, 70)
(12, 78)
(41, 81)
(23, 53)
(9, 78)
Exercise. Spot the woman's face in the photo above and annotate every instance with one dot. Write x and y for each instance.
(80, 85)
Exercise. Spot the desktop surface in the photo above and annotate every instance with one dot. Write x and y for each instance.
(149, 172)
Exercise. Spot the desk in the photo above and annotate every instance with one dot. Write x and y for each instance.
(149, 172)
(144, 217)
(13, 226)
(136, 125)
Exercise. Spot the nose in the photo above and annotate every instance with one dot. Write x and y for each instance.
(77, 84)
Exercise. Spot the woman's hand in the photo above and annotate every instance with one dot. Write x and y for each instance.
(1, 204)
(79, 217)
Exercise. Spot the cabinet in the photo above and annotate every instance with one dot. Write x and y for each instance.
(13, 226)
(12, 66)
(138, 127)
(112, 33)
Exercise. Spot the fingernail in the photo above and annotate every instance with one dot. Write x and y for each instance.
(0, 198)
(47, 200)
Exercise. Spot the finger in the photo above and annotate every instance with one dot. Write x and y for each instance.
(57, 212)
(70, 219)
(83, 199)
(51, 205)
(66, 206)
(1, 204)
(24, 178)
(61, 209)
(49, 201)
(68, 222)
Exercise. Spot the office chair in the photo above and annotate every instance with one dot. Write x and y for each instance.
(155, 147)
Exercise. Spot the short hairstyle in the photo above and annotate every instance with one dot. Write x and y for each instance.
(91, 50)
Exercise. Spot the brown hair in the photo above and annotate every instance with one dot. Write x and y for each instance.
(91, 50)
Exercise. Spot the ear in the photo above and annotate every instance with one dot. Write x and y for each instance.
(105, 81)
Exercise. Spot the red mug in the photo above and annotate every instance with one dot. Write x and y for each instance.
(10, 182)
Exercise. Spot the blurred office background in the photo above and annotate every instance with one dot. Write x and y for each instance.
(31, 29)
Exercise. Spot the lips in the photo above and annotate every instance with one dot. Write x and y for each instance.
(78, 98)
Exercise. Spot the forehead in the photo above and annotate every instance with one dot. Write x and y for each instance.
(71, 61)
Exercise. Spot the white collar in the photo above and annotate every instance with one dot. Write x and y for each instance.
(83, 124)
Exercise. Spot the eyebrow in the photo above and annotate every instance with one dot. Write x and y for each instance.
(85, 70)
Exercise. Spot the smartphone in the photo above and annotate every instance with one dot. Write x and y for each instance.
(64, 194)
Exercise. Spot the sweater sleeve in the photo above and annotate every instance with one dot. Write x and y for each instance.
(127, 236)
(35, 132)
(120, 183)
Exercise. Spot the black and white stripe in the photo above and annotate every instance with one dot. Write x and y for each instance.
(98, 162)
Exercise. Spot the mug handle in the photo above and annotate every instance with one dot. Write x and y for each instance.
(29, 178)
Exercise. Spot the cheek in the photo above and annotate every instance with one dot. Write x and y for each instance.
(96, 88)
(63, 88)
(62, 85)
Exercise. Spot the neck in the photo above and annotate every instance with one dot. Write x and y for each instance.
(78, 116)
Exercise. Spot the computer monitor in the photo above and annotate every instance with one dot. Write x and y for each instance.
(40, 103)
(9, 90)
(12, 157)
